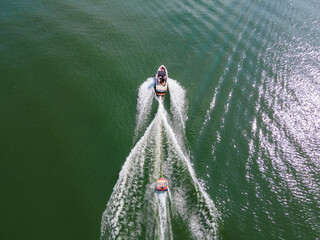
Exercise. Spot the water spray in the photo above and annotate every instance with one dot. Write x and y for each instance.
(135, 209)
(162, 184)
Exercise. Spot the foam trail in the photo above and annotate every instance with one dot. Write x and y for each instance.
(178, 103)
(164, 230)
(120, 199)
(134, 210)
(145, 97)
(202, 197)
(212, 105)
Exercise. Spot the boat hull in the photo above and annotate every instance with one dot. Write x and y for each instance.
(161, 87)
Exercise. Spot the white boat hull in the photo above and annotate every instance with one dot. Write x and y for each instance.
(161, 88)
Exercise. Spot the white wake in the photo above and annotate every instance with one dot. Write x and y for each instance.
(135, 210)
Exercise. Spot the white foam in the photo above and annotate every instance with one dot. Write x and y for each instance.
(126, 185)
(145, 97)
(164, 231)
(177, 102)
(133, 205)
(202, 196)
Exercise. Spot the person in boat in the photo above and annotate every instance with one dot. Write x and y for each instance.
(162, 80)
(162, 76)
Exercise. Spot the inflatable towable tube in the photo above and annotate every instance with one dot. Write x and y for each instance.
(162, 185)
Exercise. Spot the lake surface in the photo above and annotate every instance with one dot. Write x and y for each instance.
(239, 129)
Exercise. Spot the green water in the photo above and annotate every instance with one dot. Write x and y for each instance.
(70, 74)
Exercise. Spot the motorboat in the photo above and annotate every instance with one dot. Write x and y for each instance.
(161, 85)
